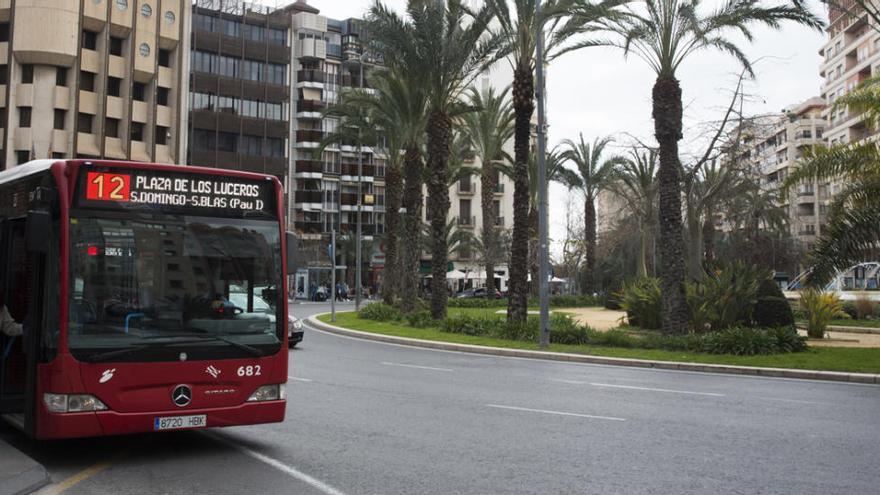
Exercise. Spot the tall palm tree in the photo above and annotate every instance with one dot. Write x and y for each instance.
(487, 129)
(391, 117)
(636, 184)
(594, 173)
(444, 45)
(665, 33)
(518, 28)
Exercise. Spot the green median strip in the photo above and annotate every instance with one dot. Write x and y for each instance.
(846, 359)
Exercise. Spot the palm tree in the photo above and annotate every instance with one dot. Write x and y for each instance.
(664, 34)
(518, 28)
(593, 174)
(390, 118)
(488, 128)
(637, 185)
(444, 46)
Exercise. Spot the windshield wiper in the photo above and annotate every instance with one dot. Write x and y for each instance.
(247, 348)
(135, 347)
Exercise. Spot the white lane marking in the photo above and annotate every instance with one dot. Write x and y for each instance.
(298, 379)
(400, 365)
(557, 413)
(633, 369)
(275, 463)
(796, 401)
(651, 389)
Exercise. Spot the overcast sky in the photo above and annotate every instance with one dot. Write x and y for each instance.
(596, 92)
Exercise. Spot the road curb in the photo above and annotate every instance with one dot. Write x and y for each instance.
(19, 474)
(583, 358)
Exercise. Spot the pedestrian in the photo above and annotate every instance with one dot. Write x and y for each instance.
(8, 325)
(313, 292)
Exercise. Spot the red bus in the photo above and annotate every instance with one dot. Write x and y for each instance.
(133, 298)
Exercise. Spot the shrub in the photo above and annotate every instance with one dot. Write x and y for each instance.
(725, 297)
(820, 308)
(612, 301)
(573, 301)
(788, 340)
(864, 308)
(420, 319)
(771, 308)
(641, 299)
(379, 312)
(564, 330)
(476, 302)
(753, 341)
(849, 308)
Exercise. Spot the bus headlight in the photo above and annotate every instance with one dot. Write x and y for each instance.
(65, 403)
(268, 392)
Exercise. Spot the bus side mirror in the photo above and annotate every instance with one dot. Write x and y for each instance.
(292, 252)
(37, 231)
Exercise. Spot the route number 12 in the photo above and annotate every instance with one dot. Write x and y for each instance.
(108, 187)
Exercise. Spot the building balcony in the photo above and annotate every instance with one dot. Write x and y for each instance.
(309, 75)
(467, 221)
(309, 136)
(310, 106)
(309, 166)
(309, 197)
(351, 169)
(466, 188)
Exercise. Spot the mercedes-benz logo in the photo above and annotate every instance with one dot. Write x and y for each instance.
(181, 396)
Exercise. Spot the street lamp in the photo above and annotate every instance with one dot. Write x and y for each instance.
(543, 254)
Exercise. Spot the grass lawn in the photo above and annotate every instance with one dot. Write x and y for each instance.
(855, 323)
(816, 358)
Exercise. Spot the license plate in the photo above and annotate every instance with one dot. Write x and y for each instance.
(180, 422)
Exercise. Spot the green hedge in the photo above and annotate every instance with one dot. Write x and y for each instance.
(555, 302)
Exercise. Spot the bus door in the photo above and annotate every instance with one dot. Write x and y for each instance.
(23, 284)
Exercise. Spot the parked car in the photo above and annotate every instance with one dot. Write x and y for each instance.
(476, 293)
(294, 325)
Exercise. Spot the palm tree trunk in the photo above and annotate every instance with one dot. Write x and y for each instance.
(590, 234)
(523, 108)
(439, 142)
(487, 197)
(393, 191)
(667, 113)
(709, 239)
(533, 252)
(412, 234)
(695, 246)
(641, 263)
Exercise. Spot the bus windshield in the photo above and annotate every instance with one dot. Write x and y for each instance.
(168, 287)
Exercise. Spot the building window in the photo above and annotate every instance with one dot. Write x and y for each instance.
(144, 50)
(27, 74)
(4, 32)
(24, 116)
(162, 96)
(61, 76)
(111, 127)
(137, 131)
(87, 81)
(2, 122)
(169, 17)
(164, 57)
(89, 40)
(146, 10)
(4, 73)
(161, 135)
(116, 45)
(22, 156)
(60, 116)
(114, 86)
(84, 123)
(139, 91)
(121, 4)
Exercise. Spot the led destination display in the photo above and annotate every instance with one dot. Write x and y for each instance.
(135, 189)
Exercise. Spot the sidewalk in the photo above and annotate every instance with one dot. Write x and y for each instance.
(19, 474)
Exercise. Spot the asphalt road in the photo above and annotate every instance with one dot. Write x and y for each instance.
(373, 418)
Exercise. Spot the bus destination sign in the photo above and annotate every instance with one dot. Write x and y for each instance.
(158, 189)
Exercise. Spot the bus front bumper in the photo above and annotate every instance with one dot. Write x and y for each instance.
(100, 423)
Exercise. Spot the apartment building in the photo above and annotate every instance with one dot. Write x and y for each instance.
(850, 56)
(240, 89)
(772, 146)
(98, 78)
